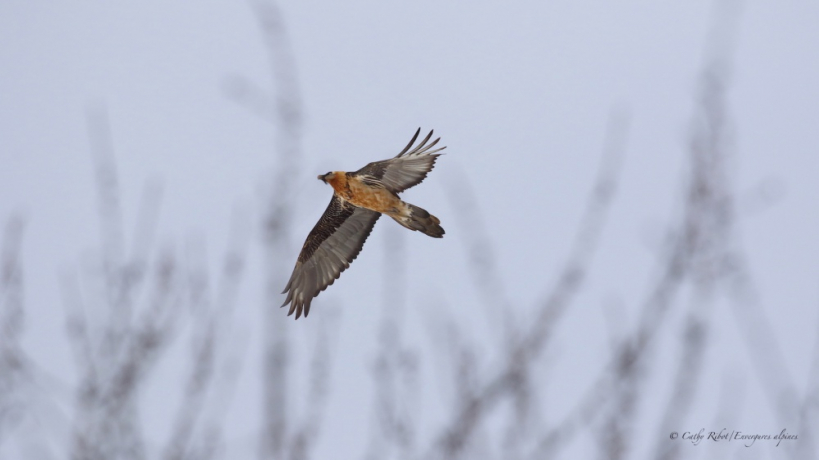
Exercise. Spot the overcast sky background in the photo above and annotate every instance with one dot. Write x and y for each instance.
(521, 94)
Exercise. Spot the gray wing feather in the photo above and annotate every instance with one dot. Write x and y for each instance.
(331, 246)
(408, 168)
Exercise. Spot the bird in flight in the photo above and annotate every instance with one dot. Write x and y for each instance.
(359, 199)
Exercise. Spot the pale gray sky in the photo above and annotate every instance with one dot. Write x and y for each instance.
(520, 92)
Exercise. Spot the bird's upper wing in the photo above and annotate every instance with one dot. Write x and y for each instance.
(407, 169)
(330, 247)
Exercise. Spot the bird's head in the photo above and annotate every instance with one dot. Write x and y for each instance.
(327, 177)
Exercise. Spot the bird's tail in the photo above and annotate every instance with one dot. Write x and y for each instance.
(419, 219)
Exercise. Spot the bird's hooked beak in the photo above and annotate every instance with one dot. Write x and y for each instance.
(323, 178)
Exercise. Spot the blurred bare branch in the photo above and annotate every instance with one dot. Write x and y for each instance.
(809, 411)
(395, 368)
(249, 95)
(472, 410)
(481, 260)
(284, 109)
(122, 314)
(107, 182)
(213, 317)
(699, 250)
(704, 252)
(585, 243)
(130, 300)
(12, 362)
(706, 233)
(307, 431)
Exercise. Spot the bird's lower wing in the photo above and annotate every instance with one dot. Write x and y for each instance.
(330, 248)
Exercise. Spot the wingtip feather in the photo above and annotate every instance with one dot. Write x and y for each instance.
(412, 141)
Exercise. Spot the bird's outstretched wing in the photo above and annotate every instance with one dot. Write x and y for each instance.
(330, 247)
(407, 169)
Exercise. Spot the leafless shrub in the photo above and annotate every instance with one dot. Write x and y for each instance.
(701, 256)
(283, 434)
(395, 368)
(123, 311)
(511, 382)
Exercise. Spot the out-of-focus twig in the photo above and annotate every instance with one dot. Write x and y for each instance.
(107, 182)
(809, 411)
(395, 367)
(284, 109)
(698, 250)
(706, 231)
(481, 260)
(703, 251)
(459, 430)
(248, 94)
(118, 321)
(192, 436)
(307, 430)
(12, 314)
